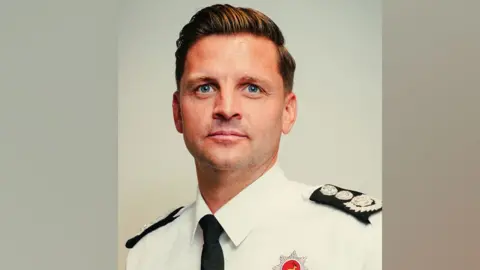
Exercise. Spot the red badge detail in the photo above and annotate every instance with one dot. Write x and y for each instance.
(292, 262)
(291, 265)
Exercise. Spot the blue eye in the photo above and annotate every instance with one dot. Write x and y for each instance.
(204, 88)
(253, 88)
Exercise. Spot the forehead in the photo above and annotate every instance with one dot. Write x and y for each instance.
(233, 55)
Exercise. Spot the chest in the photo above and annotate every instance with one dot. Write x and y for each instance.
(281, 248)
(285, 248)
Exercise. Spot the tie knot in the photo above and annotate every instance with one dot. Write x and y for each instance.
(211, 229)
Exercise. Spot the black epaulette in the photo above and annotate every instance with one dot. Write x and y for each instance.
(152, 227)
(354, 203)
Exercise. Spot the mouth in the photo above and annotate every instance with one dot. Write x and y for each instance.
(227, 135)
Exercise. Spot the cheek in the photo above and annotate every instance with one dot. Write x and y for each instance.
(195, 117)
(266, 122)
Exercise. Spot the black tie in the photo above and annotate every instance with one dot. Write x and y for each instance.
(212, 254)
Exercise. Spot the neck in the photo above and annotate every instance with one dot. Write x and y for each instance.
(217, 187)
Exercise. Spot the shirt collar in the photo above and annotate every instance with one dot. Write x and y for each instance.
(244, 211)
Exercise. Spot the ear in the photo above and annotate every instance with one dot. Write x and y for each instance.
(177, 112)
(289, 112)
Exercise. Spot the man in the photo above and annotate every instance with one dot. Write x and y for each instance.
(234, 99)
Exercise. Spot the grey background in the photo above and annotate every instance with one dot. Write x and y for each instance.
(431, 150)
(58, 135)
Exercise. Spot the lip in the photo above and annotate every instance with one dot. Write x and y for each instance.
(227, 133)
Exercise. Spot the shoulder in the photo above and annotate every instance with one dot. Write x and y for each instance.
(155, 237)
(155, 225)
(354, 218)
(364, 208)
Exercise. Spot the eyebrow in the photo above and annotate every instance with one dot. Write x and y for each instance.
(197, 80)
(255, 80)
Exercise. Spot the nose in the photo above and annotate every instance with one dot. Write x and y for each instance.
(227, 106)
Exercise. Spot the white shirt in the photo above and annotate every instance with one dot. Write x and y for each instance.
(269, 221)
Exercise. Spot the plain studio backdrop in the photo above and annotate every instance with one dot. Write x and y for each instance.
(338, 134)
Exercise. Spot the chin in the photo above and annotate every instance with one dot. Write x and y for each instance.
(225, 162)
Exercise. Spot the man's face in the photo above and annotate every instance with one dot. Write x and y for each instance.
(232, 107)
